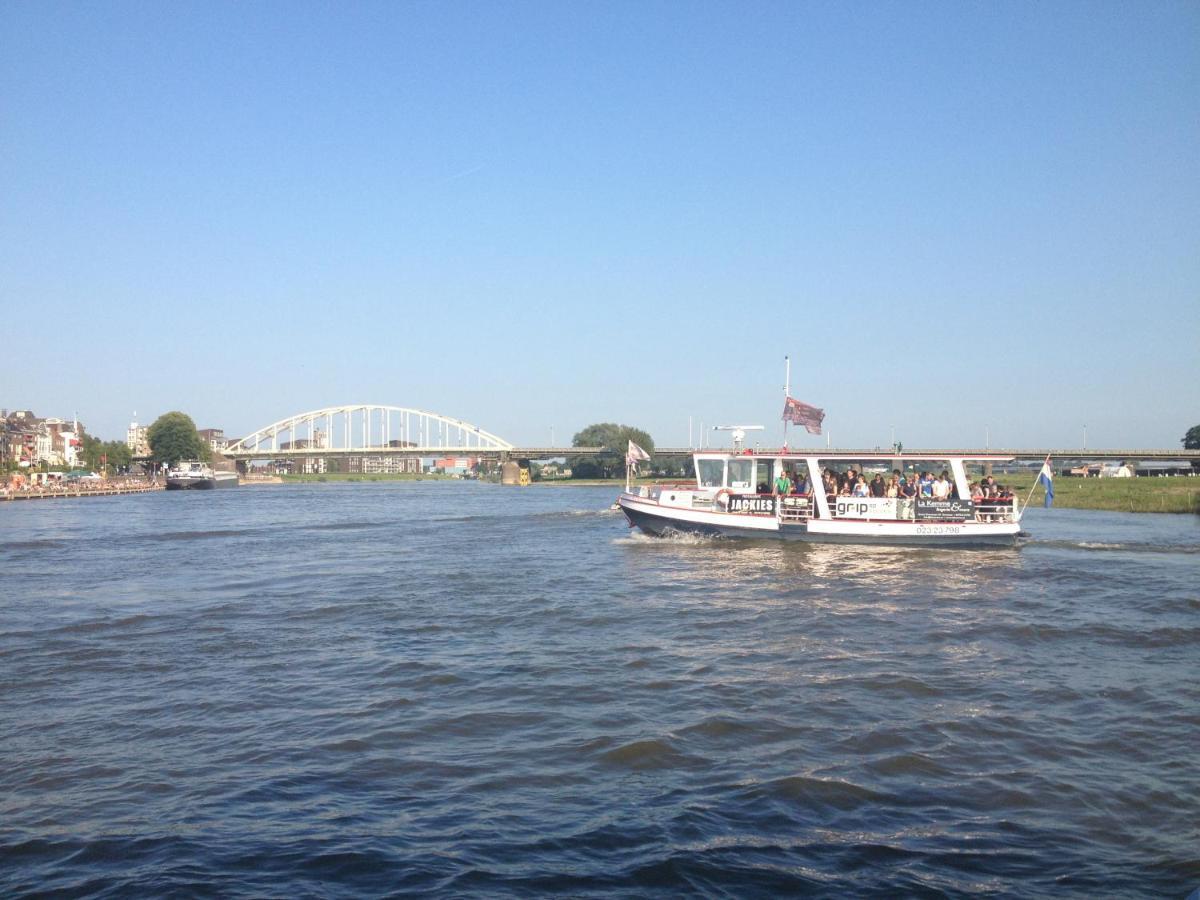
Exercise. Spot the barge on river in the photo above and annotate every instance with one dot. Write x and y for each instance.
(732, 496)
(193, 475)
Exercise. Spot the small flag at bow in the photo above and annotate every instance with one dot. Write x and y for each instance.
(634, 455)
(802, 414)
(1046, 477)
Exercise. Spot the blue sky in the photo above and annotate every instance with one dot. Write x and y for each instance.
(953, 217)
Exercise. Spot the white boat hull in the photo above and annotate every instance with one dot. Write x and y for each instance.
(660, 520)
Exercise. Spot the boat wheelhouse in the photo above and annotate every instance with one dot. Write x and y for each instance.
(734, 495)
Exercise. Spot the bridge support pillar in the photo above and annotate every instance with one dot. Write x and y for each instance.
(515, 471)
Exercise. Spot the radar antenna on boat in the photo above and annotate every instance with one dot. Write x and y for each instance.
(739, 432)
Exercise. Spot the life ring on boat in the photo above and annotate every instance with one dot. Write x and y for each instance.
(721, 499)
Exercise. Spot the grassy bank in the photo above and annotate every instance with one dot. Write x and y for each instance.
(1168, 495)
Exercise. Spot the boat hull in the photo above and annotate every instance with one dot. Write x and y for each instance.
(661, 521)
(218, 480)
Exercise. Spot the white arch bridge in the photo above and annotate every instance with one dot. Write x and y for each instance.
(364, 429)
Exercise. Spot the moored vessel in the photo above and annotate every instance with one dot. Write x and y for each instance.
(780, 495)
(193, 475)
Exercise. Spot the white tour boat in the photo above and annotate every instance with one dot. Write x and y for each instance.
(734, 496)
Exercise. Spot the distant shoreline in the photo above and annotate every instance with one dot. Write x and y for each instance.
(1174, 494)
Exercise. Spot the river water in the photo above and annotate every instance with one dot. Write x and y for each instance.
(470, 690)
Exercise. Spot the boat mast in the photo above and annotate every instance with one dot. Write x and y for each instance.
(787, 392)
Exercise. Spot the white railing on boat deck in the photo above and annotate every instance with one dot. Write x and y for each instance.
(795, 509)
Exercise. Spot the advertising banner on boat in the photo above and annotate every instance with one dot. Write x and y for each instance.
(754, 504)
(945, 510)
(866, 508)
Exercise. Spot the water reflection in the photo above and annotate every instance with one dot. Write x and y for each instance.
(884, 571)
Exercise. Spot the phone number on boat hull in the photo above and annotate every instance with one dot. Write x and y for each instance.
(939, 529)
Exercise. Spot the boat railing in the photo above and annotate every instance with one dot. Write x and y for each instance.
(996, 509)
(795, 508)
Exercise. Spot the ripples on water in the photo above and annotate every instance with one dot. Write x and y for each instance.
(475, 690)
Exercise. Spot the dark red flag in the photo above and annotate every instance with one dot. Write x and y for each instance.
(802, 414)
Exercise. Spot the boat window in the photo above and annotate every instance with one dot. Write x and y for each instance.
(762, 476)
(741, 474)
(711, 472)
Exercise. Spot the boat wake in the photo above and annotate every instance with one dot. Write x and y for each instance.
(1117, 546)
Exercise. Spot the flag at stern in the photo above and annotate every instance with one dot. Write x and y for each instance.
(1046, 477)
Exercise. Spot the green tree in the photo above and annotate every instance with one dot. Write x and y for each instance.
(1191, 440)
(91, 449)
(118, 456)
(97, 453)
(173, 437)
(615, 441)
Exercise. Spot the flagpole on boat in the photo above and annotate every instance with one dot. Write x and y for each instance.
(787, 392)
(1035, 484)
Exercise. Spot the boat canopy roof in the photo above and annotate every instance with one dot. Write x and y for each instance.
(853, 455)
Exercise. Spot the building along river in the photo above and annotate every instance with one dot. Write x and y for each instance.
(461, 688)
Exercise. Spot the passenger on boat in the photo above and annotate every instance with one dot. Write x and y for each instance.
(908, 487)
(783, 484)
(802, 486)
(893, 486)
(941, 488)
(925, 485)
(860, 488)
(878, 486)
(976, 491)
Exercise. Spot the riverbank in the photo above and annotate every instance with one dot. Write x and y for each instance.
(57, 493)
(1175, 494)
(344, 476)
